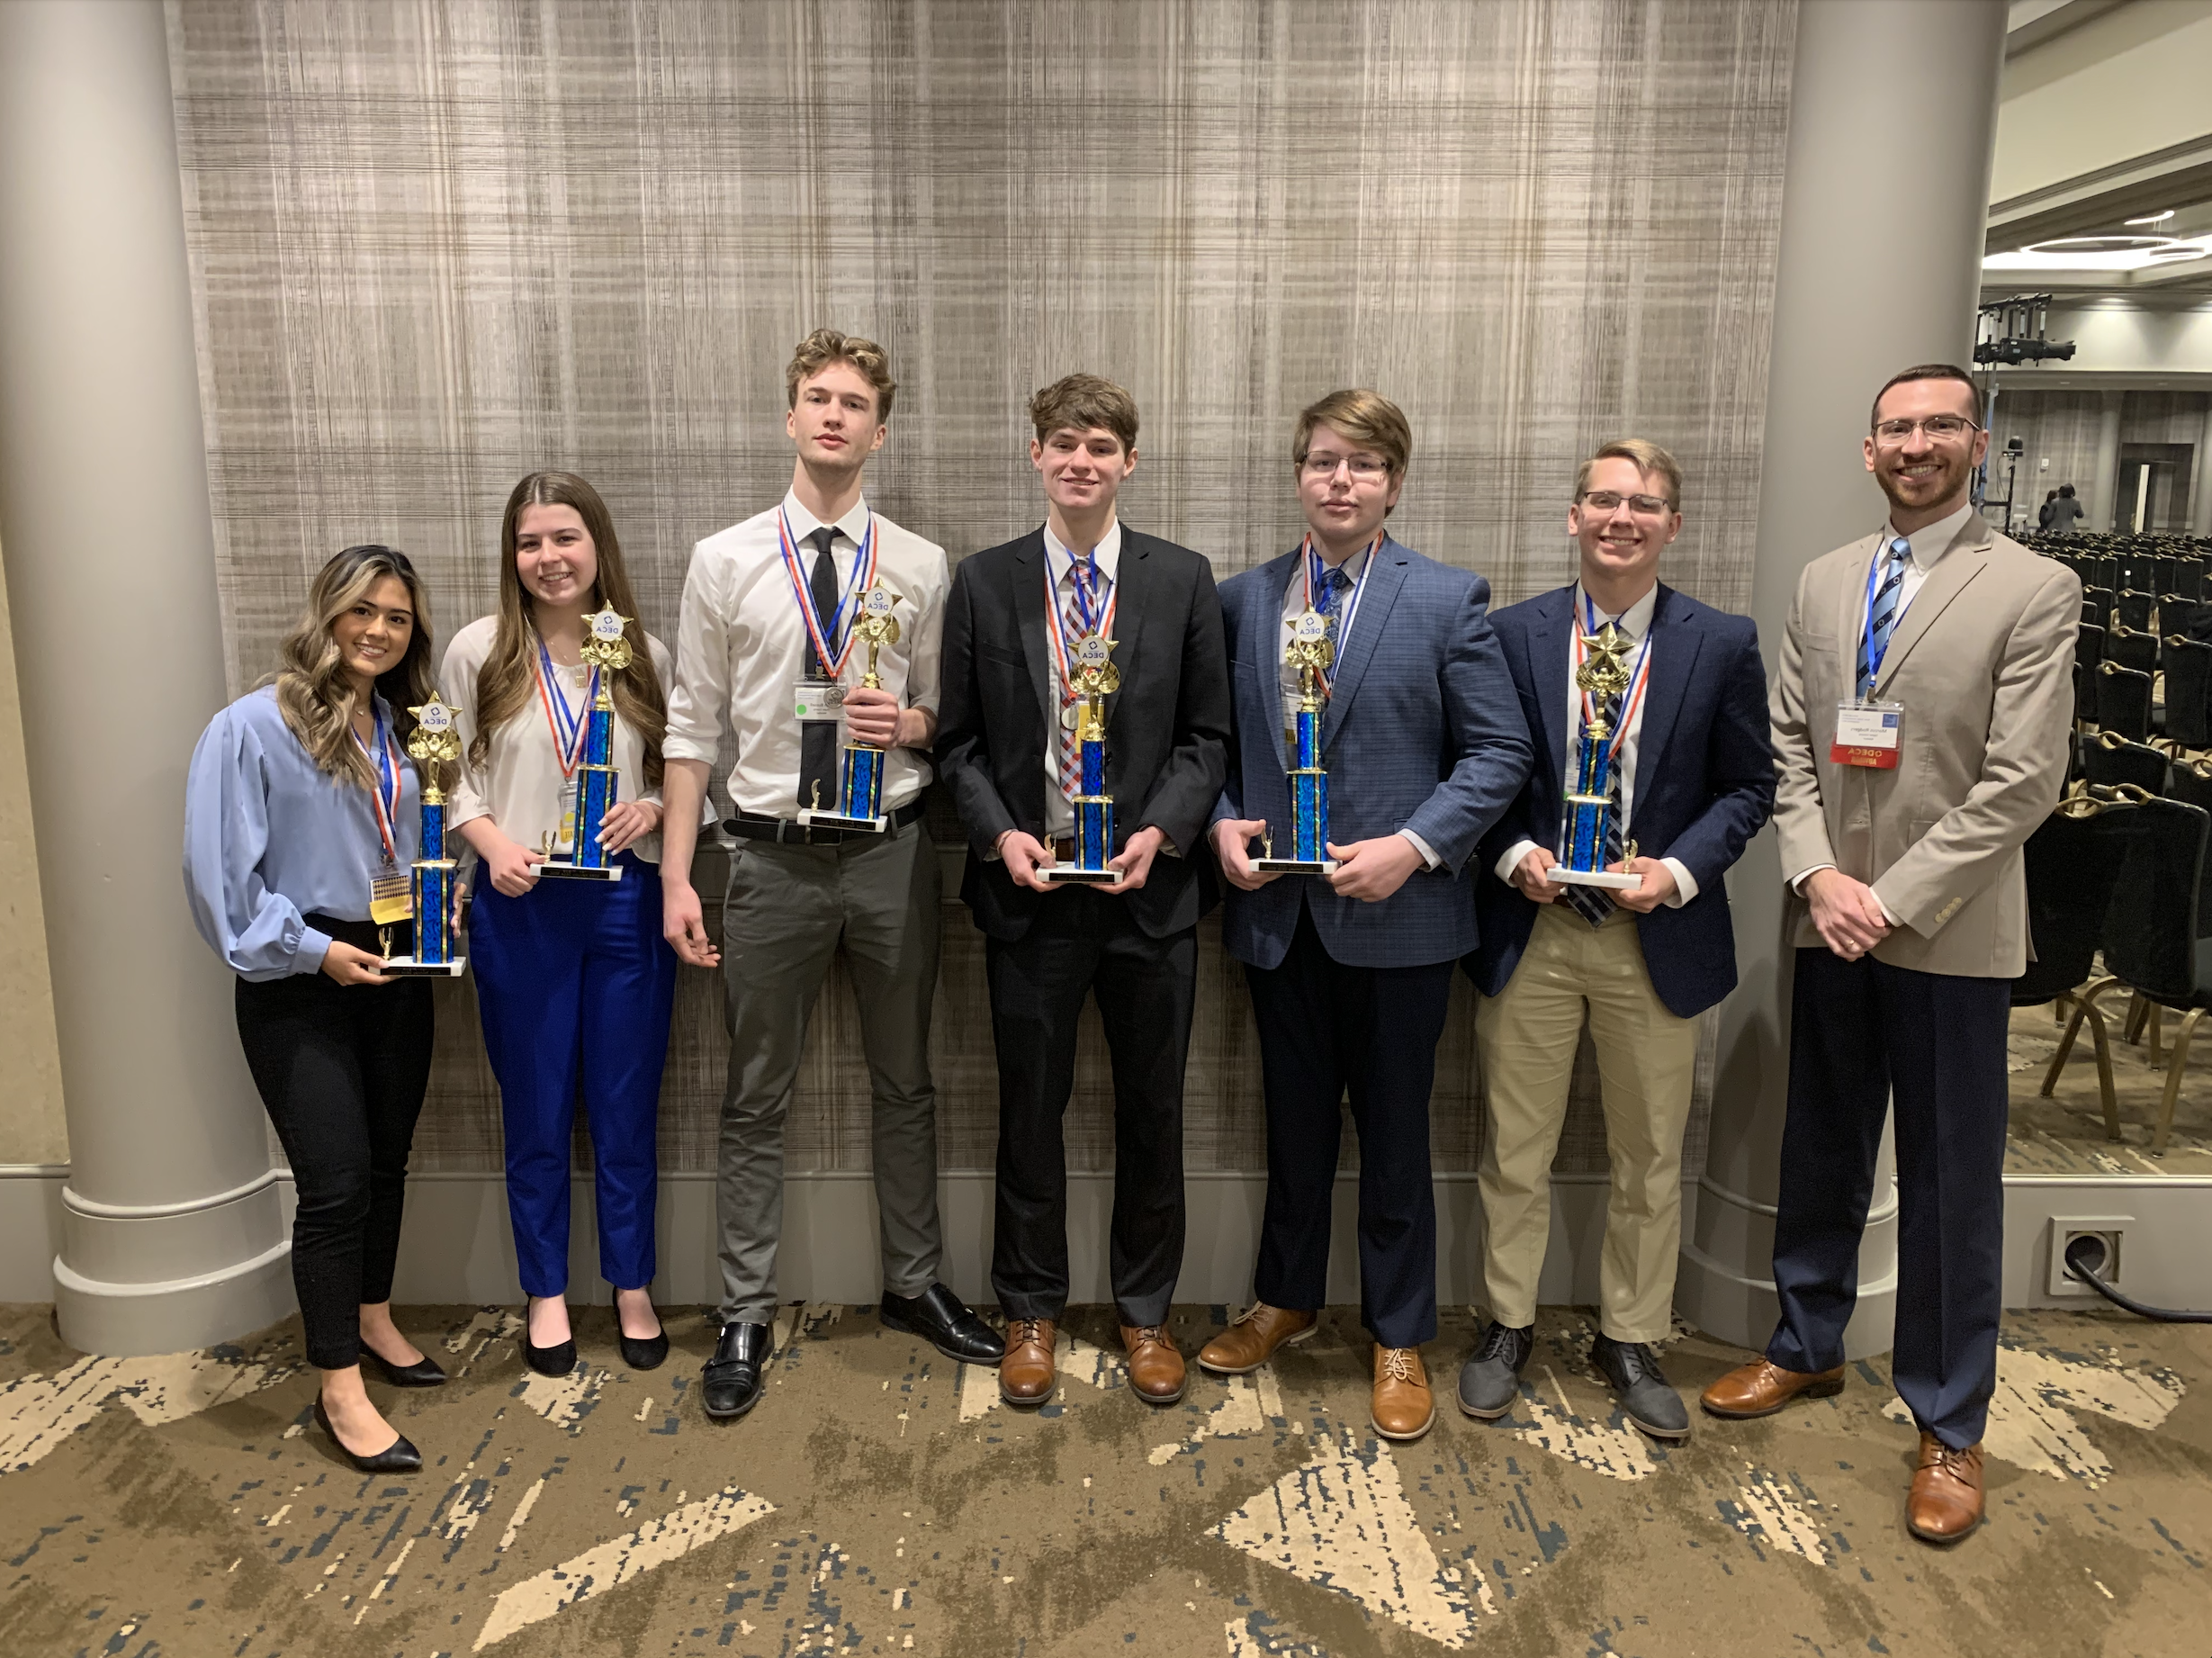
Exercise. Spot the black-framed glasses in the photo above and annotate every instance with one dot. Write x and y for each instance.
(1366, 468)
(1940, 429)
(1642, 506)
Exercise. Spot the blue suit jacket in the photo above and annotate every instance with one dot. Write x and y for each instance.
(1705, 783)
(1424, 732)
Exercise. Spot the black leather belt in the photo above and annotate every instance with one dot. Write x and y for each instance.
(789, 831)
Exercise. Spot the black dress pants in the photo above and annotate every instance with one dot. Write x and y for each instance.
(1083, 944)
(1326, 1029)
(342, 1069)
(1865, 1035)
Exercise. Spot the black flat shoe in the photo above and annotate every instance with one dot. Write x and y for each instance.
(423, 1373)
(946, 1322)
(644, 1352)
(731, 1383)
(558, 1360)
(399, 1456)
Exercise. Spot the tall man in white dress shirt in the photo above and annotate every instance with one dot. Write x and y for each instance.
(768, 611)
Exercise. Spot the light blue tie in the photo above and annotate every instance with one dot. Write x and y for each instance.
(1882, 617)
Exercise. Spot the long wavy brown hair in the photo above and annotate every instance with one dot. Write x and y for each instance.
(313, 692)
(506, 683)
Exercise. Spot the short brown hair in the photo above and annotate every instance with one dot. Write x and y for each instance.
(1646, 456)
(1078, 402)
(824, 346)
(1928, 371)
(1366, 418)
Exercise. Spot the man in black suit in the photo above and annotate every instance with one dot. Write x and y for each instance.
(1692, 778)
(1006, 747)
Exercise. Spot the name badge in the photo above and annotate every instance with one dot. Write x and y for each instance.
(1866, 734)
(817, 699)
(391, 896)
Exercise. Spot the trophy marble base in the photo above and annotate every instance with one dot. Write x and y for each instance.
(1074, 874)
(406, 966)
(1295, 866)
(1560, 874)
(812, 819)
(568, 870)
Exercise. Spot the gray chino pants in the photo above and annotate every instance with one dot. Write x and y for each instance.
(787, 910)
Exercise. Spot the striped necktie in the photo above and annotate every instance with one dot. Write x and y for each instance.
(1882, 616)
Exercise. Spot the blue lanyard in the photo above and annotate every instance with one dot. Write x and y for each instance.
(386, 796)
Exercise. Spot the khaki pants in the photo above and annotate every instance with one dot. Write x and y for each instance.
(1647, 1060)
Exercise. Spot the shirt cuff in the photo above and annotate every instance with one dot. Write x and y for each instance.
(1686, 884)
(1797, 882)
(313, 947)
(674, 747)
(1511, 861)
(1428, 853)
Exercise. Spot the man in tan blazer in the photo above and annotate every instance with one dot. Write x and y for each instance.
(1921, 716)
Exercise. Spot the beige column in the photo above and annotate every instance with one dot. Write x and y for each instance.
(1892, 118)
(2100, 494)
(173, 1234)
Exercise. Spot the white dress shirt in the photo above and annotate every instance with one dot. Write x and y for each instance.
(1060, 559)
(1635, 622)
(1294, 607)
(1928, 544)
(519, 787)
(740, 647)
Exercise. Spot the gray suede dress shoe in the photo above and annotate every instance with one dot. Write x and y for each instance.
(1490, 1381)
(1646, 1397)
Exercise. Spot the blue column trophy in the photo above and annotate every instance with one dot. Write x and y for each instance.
(1095, 678)
(599, 785)
(1312, 654)
(436, 743)
(859, 800)
(1590, 802)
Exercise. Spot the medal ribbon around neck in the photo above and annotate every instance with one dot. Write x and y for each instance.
(1093, 624)
(566, 723)
(385, 798)
(1638, 679)
(863, 577)
(1309, 563)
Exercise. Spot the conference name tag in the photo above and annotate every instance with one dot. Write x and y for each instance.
(391, 896)
(817, 699)
(1866, 734)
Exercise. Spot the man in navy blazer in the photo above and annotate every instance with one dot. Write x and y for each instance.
(1692, 779)
(1350, 972)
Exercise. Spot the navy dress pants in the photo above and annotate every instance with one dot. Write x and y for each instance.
(576, 986)
(1864, 1034)
(1326, 1030)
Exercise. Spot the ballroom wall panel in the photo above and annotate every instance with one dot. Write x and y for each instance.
(435, 245)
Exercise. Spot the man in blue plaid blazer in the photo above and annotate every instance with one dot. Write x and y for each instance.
(1350, 972)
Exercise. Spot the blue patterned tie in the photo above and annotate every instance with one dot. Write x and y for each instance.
(1882, 616)
(1333, 585)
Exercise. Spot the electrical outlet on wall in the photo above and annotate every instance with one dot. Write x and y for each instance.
(2111, 1230)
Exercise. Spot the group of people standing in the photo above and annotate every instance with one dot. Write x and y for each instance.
(1452, 737)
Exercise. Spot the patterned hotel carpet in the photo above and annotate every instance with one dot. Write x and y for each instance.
(881, 1501)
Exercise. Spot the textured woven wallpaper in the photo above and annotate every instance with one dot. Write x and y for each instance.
(438, 243)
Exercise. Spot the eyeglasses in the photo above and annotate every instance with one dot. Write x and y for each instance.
(1642, 506)
(1940, 429)
(1365, 468)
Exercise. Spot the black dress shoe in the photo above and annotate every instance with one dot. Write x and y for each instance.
(644, 1352)
(729, 1384)
(399, 1456)
(423, 1373)
(946, 1322)
(557, 1360)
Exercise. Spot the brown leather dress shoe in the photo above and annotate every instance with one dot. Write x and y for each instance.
(1761, 1389)
(1946, 1503)
(1026, 1374)
(1252, 1338)
(1402, 1406)
(1157, 1375)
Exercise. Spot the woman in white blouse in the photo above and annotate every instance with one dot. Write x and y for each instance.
(574, 980)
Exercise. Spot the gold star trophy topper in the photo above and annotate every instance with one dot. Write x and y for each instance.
(435, 742)
(1312, 653)
(1604, 674)
(1096, 679)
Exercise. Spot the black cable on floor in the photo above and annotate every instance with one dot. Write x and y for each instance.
(2085, 1259)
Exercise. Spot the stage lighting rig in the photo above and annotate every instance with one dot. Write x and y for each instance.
(2015, 331)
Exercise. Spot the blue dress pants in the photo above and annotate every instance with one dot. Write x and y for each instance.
(576, 986)
(1866, 1036)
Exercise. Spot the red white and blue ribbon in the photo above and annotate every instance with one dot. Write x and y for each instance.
(1310, 563)
(863, 578)
(1095, 623)
(566, 723)
(1638, 679)
(385, 798)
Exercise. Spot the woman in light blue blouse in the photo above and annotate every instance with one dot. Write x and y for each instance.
(301, 817)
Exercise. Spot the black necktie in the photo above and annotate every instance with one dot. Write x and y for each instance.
(818, 738)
